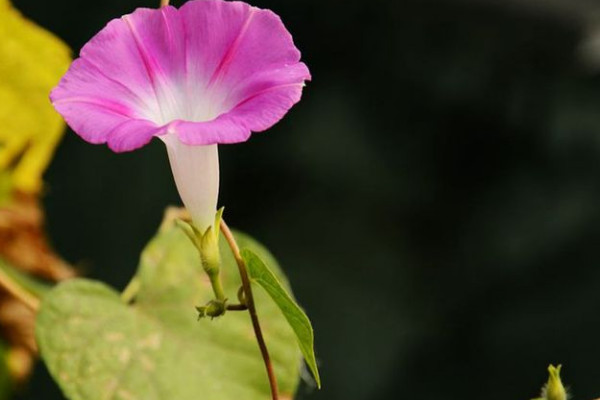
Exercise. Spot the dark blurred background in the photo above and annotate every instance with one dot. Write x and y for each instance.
(434, 198)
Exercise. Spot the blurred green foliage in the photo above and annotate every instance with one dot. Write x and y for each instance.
(6, 381)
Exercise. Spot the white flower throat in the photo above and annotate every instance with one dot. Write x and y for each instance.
(196, 173)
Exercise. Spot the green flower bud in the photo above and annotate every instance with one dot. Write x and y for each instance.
(554, 388)
(207, 243)
(213, 309)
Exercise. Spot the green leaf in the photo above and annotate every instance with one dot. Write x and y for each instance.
(261, 274)
(98, 347)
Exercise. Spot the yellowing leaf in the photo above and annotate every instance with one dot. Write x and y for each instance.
(98, 346)
(32, 60)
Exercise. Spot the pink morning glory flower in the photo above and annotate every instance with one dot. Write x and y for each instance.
(207, 73)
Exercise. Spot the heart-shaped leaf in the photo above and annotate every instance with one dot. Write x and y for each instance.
(98, 347)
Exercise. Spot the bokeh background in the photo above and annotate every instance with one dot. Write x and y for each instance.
(434, 198)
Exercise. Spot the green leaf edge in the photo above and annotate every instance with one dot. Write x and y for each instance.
(260, 273)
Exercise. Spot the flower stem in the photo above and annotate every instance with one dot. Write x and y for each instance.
(249, 302)
(237, 307)
(215, 282)
(22, 294)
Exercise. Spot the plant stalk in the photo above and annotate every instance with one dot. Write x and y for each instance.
(249, 302)
(236, 307)
(19, 292)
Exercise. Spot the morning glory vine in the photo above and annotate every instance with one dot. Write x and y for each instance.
(209, 73)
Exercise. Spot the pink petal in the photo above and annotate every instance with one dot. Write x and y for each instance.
(258, 112)
(131, 135)
(92, 118)
(211, 72)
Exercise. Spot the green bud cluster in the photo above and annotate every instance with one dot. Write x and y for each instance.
(207, 243)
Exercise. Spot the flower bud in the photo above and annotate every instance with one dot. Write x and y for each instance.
(554, 389)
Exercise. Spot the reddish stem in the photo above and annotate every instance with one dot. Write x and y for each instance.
(249, 302)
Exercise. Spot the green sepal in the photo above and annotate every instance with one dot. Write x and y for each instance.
(207, 244)
(209, 252)
(189, 229)
(260, 273)
(218, 218)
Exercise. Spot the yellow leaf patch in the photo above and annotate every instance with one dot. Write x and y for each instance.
(32, 60)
